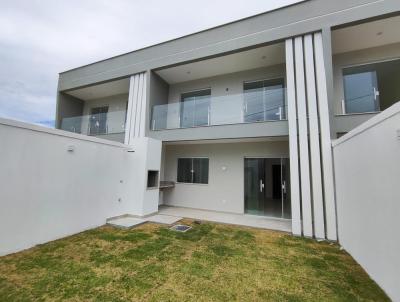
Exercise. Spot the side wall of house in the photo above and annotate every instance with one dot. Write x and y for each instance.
(225, 189)
(49, 192)
(367, 168)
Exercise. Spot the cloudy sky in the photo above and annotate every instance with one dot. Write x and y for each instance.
(40, 38)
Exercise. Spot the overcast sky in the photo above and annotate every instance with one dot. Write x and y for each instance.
(39, 39)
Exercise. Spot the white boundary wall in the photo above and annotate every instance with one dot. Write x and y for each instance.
(367, 172)
(48, 192)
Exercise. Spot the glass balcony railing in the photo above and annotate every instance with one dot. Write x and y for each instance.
(248, 107)
(107, 124)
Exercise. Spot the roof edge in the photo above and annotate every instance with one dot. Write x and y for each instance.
(185, 36)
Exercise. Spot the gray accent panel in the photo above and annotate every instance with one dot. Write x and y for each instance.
(262, 129)
(157, 95)
(294, 20)
(67, 106)
(345, 123)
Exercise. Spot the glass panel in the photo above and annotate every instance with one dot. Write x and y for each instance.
(204, 110)
(201, 110)
(253, 174)
(274, 102)
(187, 112)
(287, 206)
(98, 121)
(160, 115)
(184, 170)
(360, 91)
(109, 125)
(254, 102)
(200, 170)
(273, 187)
(267, 187)
(195, 108)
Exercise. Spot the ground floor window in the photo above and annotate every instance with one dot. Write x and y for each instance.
(193, 170)
(371, 87)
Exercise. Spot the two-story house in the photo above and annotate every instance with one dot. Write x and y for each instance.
(245, 113)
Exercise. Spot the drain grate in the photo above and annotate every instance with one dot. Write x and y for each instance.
(180, 228)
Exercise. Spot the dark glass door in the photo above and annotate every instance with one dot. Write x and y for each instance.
(267, 187)
(254, 176)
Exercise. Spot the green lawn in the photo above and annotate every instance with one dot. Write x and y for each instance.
(211, 262)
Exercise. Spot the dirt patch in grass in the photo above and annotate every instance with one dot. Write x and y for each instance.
(210, 262)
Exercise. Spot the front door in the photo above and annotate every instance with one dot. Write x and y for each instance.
(267, 187)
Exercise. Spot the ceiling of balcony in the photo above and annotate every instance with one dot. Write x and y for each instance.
(255, 58)
(366, 35)
(101, 90)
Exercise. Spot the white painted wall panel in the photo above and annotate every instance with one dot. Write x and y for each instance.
(47, 192)
(367, 174)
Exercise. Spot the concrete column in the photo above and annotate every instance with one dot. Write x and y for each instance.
(309, 138)
(147, 151)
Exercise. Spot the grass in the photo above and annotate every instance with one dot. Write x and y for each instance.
(210, 262)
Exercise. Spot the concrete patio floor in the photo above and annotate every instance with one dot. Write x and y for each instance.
(262, 222)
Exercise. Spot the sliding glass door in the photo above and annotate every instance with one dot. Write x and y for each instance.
(264, 101)
(195, 109)
(361, 91)
(266, 187)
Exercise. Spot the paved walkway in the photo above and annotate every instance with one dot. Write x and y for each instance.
(221, 217)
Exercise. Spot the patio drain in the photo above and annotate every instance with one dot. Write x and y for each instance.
(180, 228)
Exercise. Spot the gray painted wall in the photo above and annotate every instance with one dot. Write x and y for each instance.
(225, 190)
(67, 106)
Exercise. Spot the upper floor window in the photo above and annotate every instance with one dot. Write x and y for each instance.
(195, 108)
(98, 120)
(193, 170)
(371, 87)
(264, 101)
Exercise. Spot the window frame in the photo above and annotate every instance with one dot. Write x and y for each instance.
(192, 173)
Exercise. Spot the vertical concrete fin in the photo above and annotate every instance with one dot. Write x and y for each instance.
(293, 147)
(326, 147)
(303, 138)
(316, 178)
(135, 121)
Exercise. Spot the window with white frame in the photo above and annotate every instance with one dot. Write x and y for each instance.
(193, 170)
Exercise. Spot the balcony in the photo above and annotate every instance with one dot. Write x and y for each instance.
(108, 125)
(201, 109)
